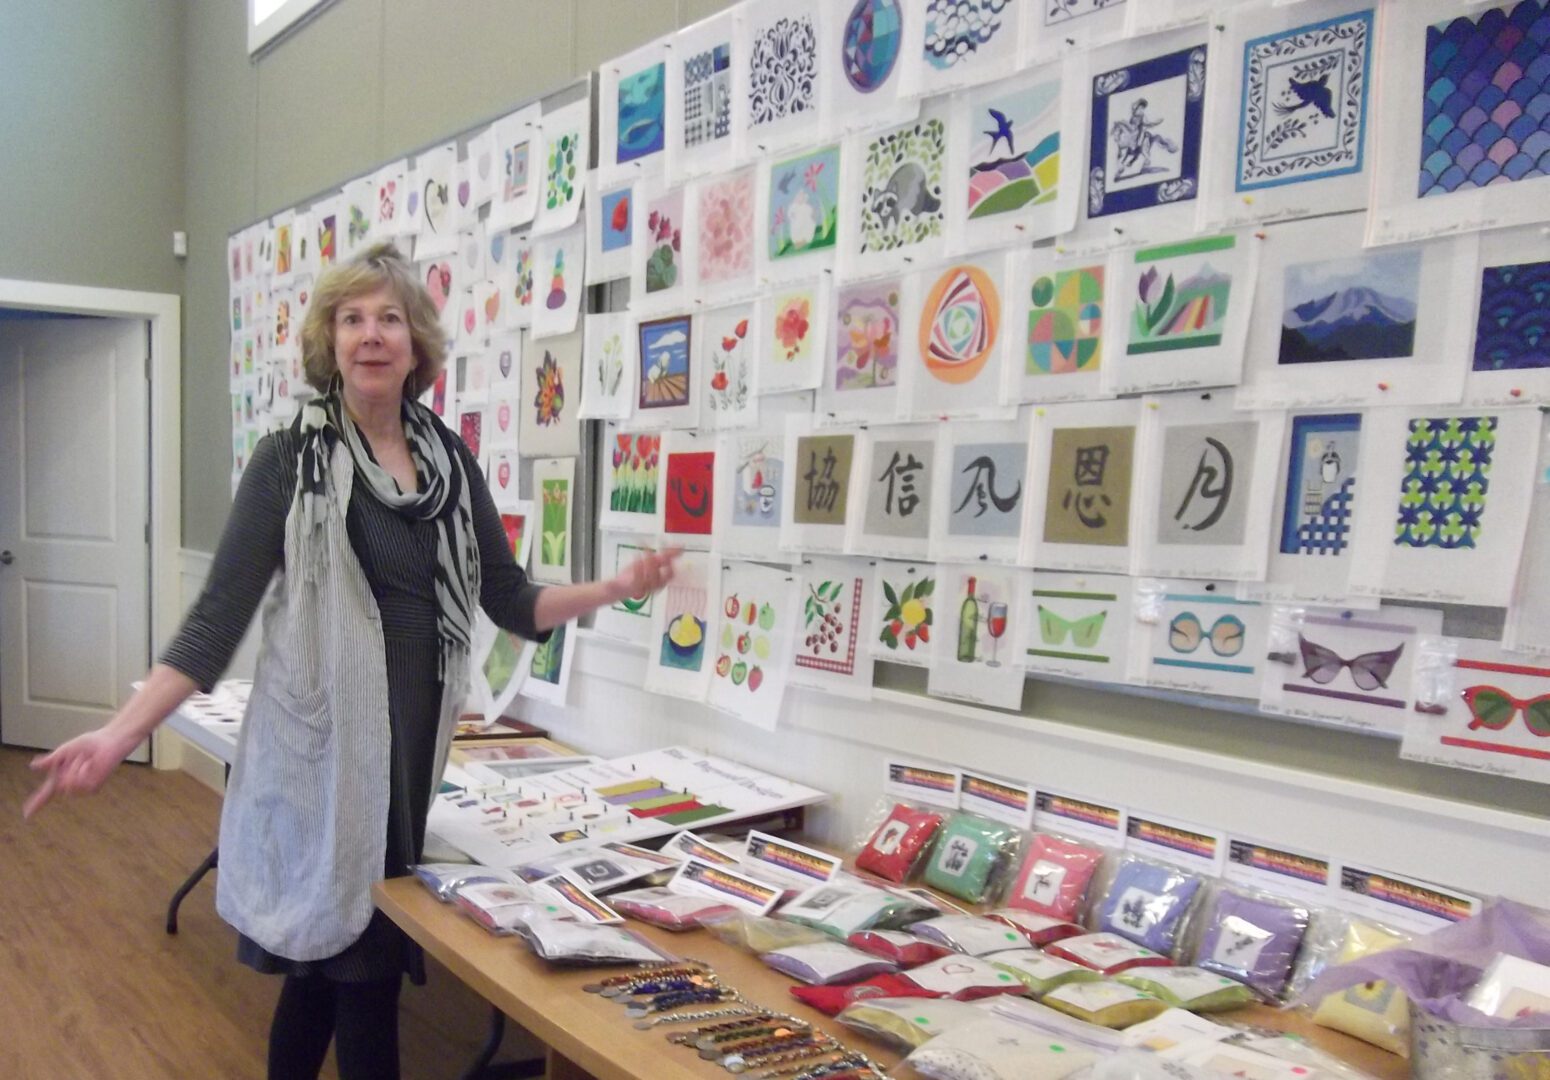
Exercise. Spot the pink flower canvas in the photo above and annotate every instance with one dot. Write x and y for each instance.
(726, 216)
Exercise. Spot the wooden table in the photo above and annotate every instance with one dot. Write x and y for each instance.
(589, 1035)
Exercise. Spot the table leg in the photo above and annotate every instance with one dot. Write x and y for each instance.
(188, 886)
(481, 1069)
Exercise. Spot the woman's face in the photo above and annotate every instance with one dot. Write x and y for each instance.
(372, 346)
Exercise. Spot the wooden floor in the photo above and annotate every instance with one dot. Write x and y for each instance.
(91, 985)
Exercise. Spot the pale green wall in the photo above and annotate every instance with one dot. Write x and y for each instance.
(366, 81)
(91, 142)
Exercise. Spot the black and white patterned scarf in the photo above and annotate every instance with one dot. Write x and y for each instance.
(442, 498)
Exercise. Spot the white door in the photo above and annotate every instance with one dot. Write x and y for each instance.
(74, 550)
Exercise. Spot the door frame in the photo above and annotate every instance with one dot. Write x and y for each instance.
(163, 311)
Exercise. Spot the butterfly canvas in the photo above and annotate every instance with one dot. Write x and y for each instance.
(903, 612)
(1078, 626)
(1348, 669)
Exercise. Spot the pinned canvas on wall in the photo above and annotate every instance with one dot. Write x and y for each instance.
(1145, 135)
(1509, 361)
(1317, 501)
(1064, 27)
(896, 482)
(1014, 162)
(1450, 498)
(628, 619)
(632, 113)
(699, 99)
(357, 213)
(956, 341)
(1344, 668)
(862, 361)
(608, 367)
(434, 180)
(726, 234)
(729, 344)
(1462, 147)
(563, 168)
(1058, 313)
(798, 213)
(688, 489)
(667, 390)
(863, 46)
(1187, 311)
(1196, 637)
(517, 522)
(685, 621)
(1337, 324)
(1486, 711)
(777, 102)
(903, 619)
(830, 654)
(1292, 100)
(981, 490)
(503, 471)
(551, 376)
(554, 482)
(1082, 461)
(1207, 498)
(954, 43)
(751, 490)
(549, 665)
(1527, 627)
(558, 265)
(632, 480)
(662, 249)
(893, 192)
(818, 490)
(517, 305)
(503, 667)
(610, 230)
(974, 654)
(795, 328)
(1078, 626)
(519, 155)
(753, 654)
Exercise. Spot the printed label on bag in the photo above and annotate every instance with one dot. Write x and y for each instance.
(1081, 818)
(929, 785)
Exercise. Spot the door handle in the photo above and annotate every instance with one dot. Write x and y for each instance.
(6, 558)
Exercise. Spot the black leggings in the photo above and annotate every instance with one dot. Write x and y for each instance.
(361, 1018)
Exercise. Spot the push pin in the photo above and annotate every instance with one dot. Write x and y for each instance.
(1383, 386)
(1515, 392)
(1260, 236)
(1210, 586)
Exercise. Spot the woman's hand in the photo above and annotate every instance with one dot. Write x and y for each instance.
(644, 576)
(79, 767)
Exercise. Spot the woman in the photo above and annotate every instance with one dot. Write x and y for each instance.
(379, 533)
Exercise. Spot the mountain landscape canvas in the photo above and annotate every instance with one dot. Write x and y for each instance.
(1360, 308)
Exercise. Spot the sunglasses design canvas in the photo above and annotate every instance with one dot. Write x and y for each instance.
(1370, 671)
(1186, 632)
(1084, 631)
(1492, 707)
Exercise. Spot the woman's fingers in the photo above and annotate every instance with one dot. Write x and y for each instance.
(38, 798)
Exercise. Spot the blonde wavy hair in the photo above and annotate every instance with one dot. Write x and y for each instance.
(380, 265)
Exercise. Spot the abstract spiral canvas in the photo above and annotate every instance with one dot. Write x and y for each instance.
(1486, 113)
(1303, 114)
